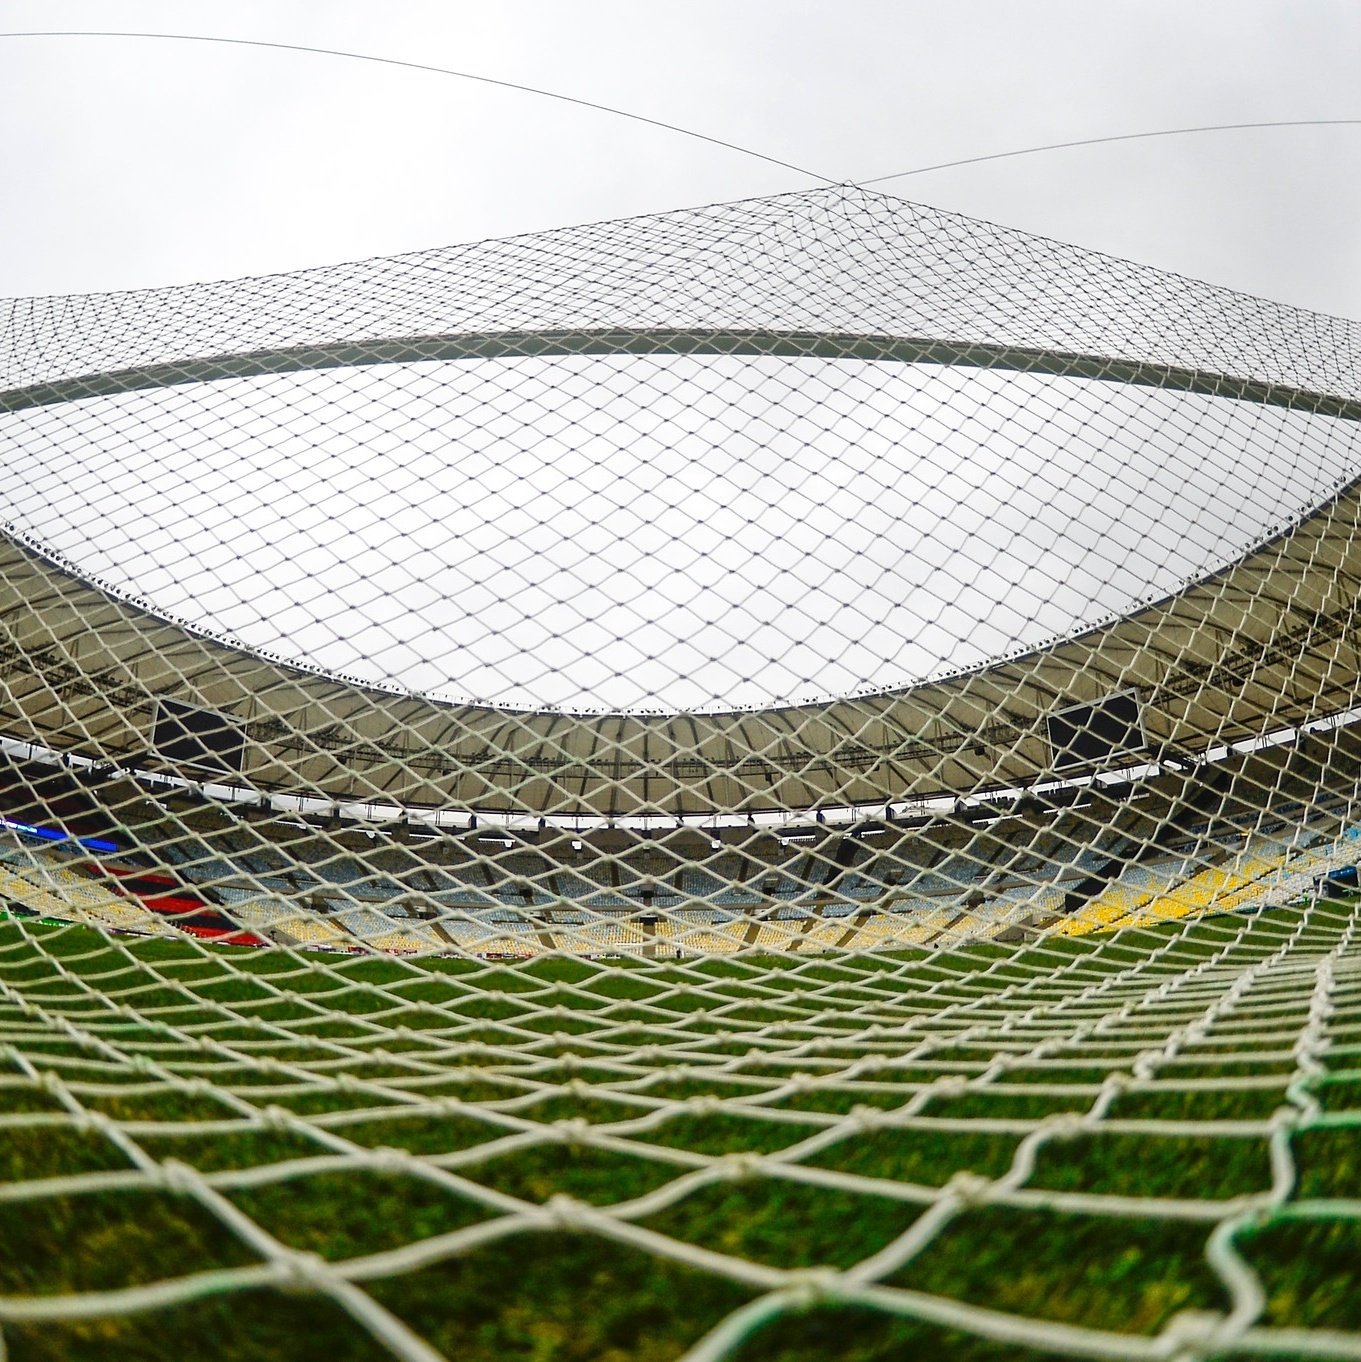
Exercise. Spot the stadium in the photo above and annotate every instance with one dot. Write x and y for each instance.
(770, 781)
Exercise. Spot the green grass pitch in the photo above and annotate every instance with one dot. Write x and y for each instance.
(638, 1086)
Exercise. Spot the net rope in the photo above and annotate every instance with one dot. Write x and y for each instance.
(800, 744)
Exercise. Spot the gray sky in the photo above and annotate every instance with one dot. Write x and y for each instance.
(136, 163)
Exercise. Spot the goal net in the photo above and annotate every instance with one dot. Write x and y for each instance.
(777, 780)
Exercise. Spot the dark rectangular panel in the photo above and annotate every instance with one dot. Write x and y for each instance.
(1087, 735)
(188, 736)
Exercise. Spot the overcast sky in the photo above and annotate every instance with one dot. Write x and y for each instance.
(128, 163)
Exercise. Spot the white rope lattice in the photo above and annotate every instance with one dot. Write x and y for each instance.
(778, 780)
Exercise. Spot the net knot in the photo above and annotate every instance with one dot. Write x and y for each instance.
(812, 1286)
(1064, 1125)
(865, 1119)
(1190, 1332)
(276, 1118)
(739, 1167)
(703, 1105)
(303, 1273)
(572, 1130)
(1145, 1065)
(969, 1189)
(566, 1212)
(176, 1177)
(388, 1158)
(1285, 1118)
(94, 1122)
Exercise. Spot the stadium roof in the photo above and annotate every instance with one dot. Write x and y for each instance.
(824, 497)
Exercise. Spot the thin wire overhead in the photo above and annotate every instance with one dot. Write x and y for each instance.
(1117, 137)
(676, 128)
(430, 69)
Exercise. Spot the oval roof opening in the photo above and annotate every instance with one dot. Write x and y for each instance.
(643, 533)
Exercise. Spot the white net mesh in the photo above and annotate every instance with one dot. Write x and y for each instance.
(770, 781)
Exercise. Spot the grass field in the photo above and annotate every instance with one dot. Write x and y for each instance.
(797, 1132)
